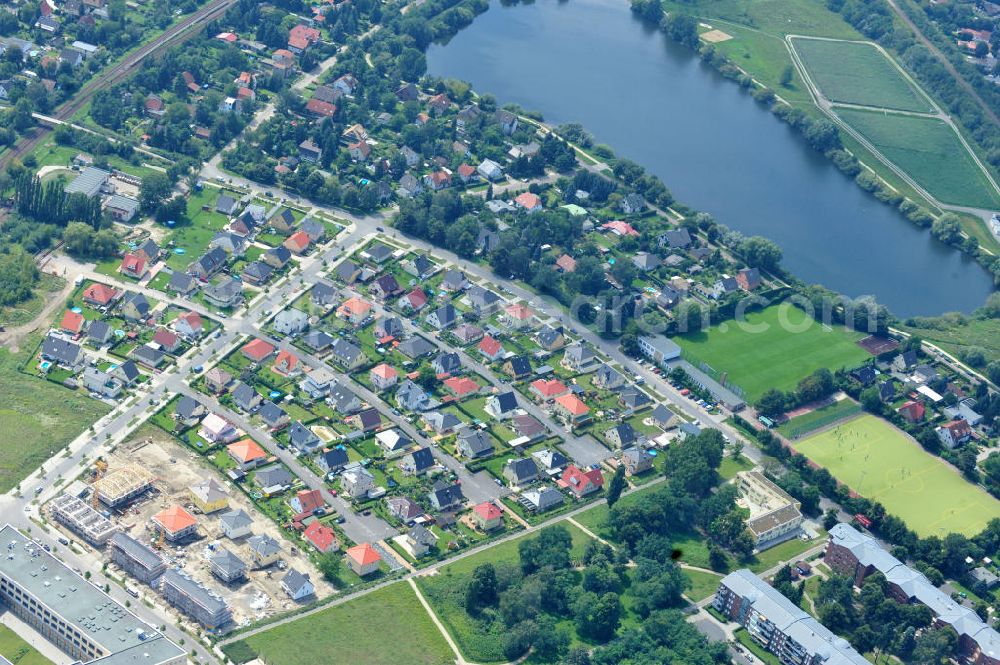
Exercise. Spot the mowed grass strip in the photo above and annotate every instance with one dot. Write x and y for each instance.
(858, 73)
(930, 152)
(880, 462)
(385, 627)
(17, 651)
(773, 348)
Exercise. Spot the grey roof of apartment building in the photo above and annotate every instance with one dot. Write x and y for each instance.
(792, 621)
(195, 591)
(78, 602)
(964, 620)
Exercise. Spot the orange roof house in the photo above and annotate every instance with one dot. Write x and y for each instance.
(286, 363)
(321, 108)
(363, 559)
(548, 389)
(912, 411)
(175, 523)
(460, 386)
(620, 228)
(246, 452)
(354, 309)
(72, 322)
(383, 376)
(529, 201)
(100, 294)
(566, 262)
(307, 501)
(257, 350)
(572, 408)
(298, 242)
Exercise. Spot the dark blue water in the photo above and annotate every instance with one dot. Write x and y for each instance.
(591, 61)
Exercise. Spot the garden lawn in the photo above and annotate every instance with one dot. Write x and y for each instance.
(880, 462)
(930, 152)
(703, 584)
(858, 73)
(789, 346)
(385, 627)
(37, 417)
(17, 651)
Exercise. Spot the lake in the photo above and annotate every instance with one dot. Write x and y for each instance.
(591, 61)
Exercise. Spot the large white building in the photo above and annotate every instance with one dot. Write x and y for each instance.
(70, 612)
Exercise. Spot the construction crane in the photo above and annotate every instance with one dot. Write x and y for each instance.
(161, 537)
(100, 468)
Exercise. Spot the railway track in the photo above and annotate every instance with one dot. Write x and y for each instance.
(176, 33)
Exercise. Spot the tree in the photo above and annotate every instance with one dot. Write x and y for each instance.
(427, 379)
(870, 400)
(549, 549)
(155, 188)
(947, 228)
(934, 646)
(786, 76)
(772, 403)
(330, 566)
(759, 252)
(616, 485)
(597, 617)
(482, 591)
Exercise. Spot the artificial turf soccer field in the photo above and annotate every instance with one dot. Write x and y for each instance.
(792, 346)
(879, 462)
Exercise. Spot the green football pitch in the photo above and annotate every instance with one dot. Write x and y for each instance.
(879, 462)
(772, 348)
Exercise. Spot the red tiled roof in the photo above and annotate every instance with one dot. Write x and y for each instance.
(490, 346)
(310, 500)
(487, 511)
(72, 321)
(165, 338)
(384, 371)
(297, 241)
(285, 362)
(319, 107)
(257, 349)
(100, 293)
(549, 388)
(133, 264)
(193, 319)
(527, 200)
(417, 298)
(461, 385)
(621, 228)
(320, 535)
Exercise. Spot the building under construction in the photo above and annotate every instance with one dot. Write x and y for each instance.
(82, 519)
(195, 600)
(138, 560)
(123, 485)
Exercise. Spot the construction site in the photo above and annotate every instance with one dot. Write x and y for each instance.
(154, 504)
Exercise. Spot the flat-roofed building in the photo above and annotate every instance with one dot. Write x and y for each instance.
(74, 615)
(138, 560)
(774, 514)
(82, 519)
